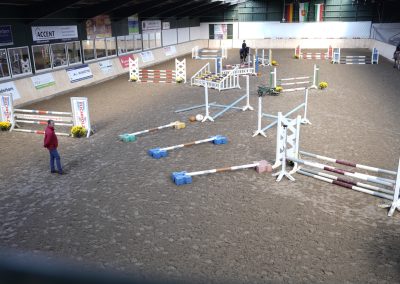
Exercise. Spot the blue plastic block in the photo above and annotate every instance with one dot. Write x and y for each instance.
(126, 137)
(219, 140)
(181, 178)
(157, 153)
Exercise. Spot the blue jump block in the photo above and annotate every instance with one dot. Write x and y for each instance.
(219, 140)
(157, 153)
(126, 137)
(181, 178)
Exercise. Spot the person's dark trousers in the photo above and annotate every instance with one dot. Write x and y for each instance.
(55, 156)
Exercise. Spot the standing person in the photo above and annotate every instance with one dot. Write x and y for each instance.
(51, 143)
(396, 55)
(244, 45)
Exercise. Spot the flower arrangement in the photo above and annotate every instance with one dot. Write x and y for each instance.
(278, 89)
(296, 56)
(5, 125)
(274, 63)
(133, 78)
(78, 131)
(323, 85)
(179, 80)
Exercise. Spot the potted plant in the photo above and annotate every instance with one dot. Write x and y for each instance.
(323, 85)
(78, 131)
(5, 125)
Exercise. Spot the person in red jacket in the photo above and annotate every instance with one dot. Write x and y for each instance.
(51, 143)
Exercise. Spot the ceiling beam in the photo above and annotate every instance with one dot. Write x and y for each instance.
(185, 12)
(208, 8)
(172, 11)
(46, 9)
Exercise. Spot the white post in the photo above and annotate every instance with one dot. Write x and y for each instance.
(247, 106)
(305, 119)
(207, 115)
(396, 202)
(316, 69)
(274, 83)
(283, 171)
(259, 117)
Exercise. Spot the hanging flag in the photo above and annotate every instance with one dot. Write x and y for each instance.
(319, 12)
(303, 12)
(289, 13)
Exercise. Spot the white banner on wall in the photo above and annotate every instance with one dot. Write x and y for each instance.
(43, 81)
(9, 89)
(6, 109)
(147, 56)
(151, 25)
(106, 66)
(80, 111)
(170, 50)
(54, 33)
(79, 73)
(166, 26)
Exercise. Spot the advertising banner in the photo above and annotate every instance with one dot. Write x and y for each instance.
(9, 89)
(170, 50)
(6, 109)
(106, 66)
(79, 73)
(54, 33)
(6, 37)
(43, 81)
(220, 31)
(151, 25)
(98, 27)
(133, 24)
(147, 56)
(166, 25)
(80, 112)
(124, 60)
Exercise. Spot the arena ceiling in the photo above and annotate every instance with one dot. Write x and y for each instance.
(33, 10)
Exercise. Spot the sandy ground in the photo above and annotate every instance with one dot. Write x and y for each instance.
(118, 209)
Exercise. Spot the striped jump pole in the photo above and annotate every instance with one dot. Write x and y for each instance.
(349, 164)
(313, 55)
(361, 176)
(129, 137)
(42, 112)
(158, 153)
(359, 184)
(346, 185)
(284, 154)
(41, 117)
(41, 132)
(181, 178)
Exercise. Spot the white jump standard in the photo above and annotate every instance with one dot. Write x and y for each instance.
(224, 81)
(224, 108)
(130, 137)
(157, 76)
(262, 59)
(261, 130)
(159, 153)
(283, 154)
(313, 55)
(79, 116)
(355, 59)
(206, 53)
(310, 82)
(181, 178)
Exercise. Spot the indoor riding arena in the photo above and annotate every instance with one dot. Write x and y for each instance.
(278, 166)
